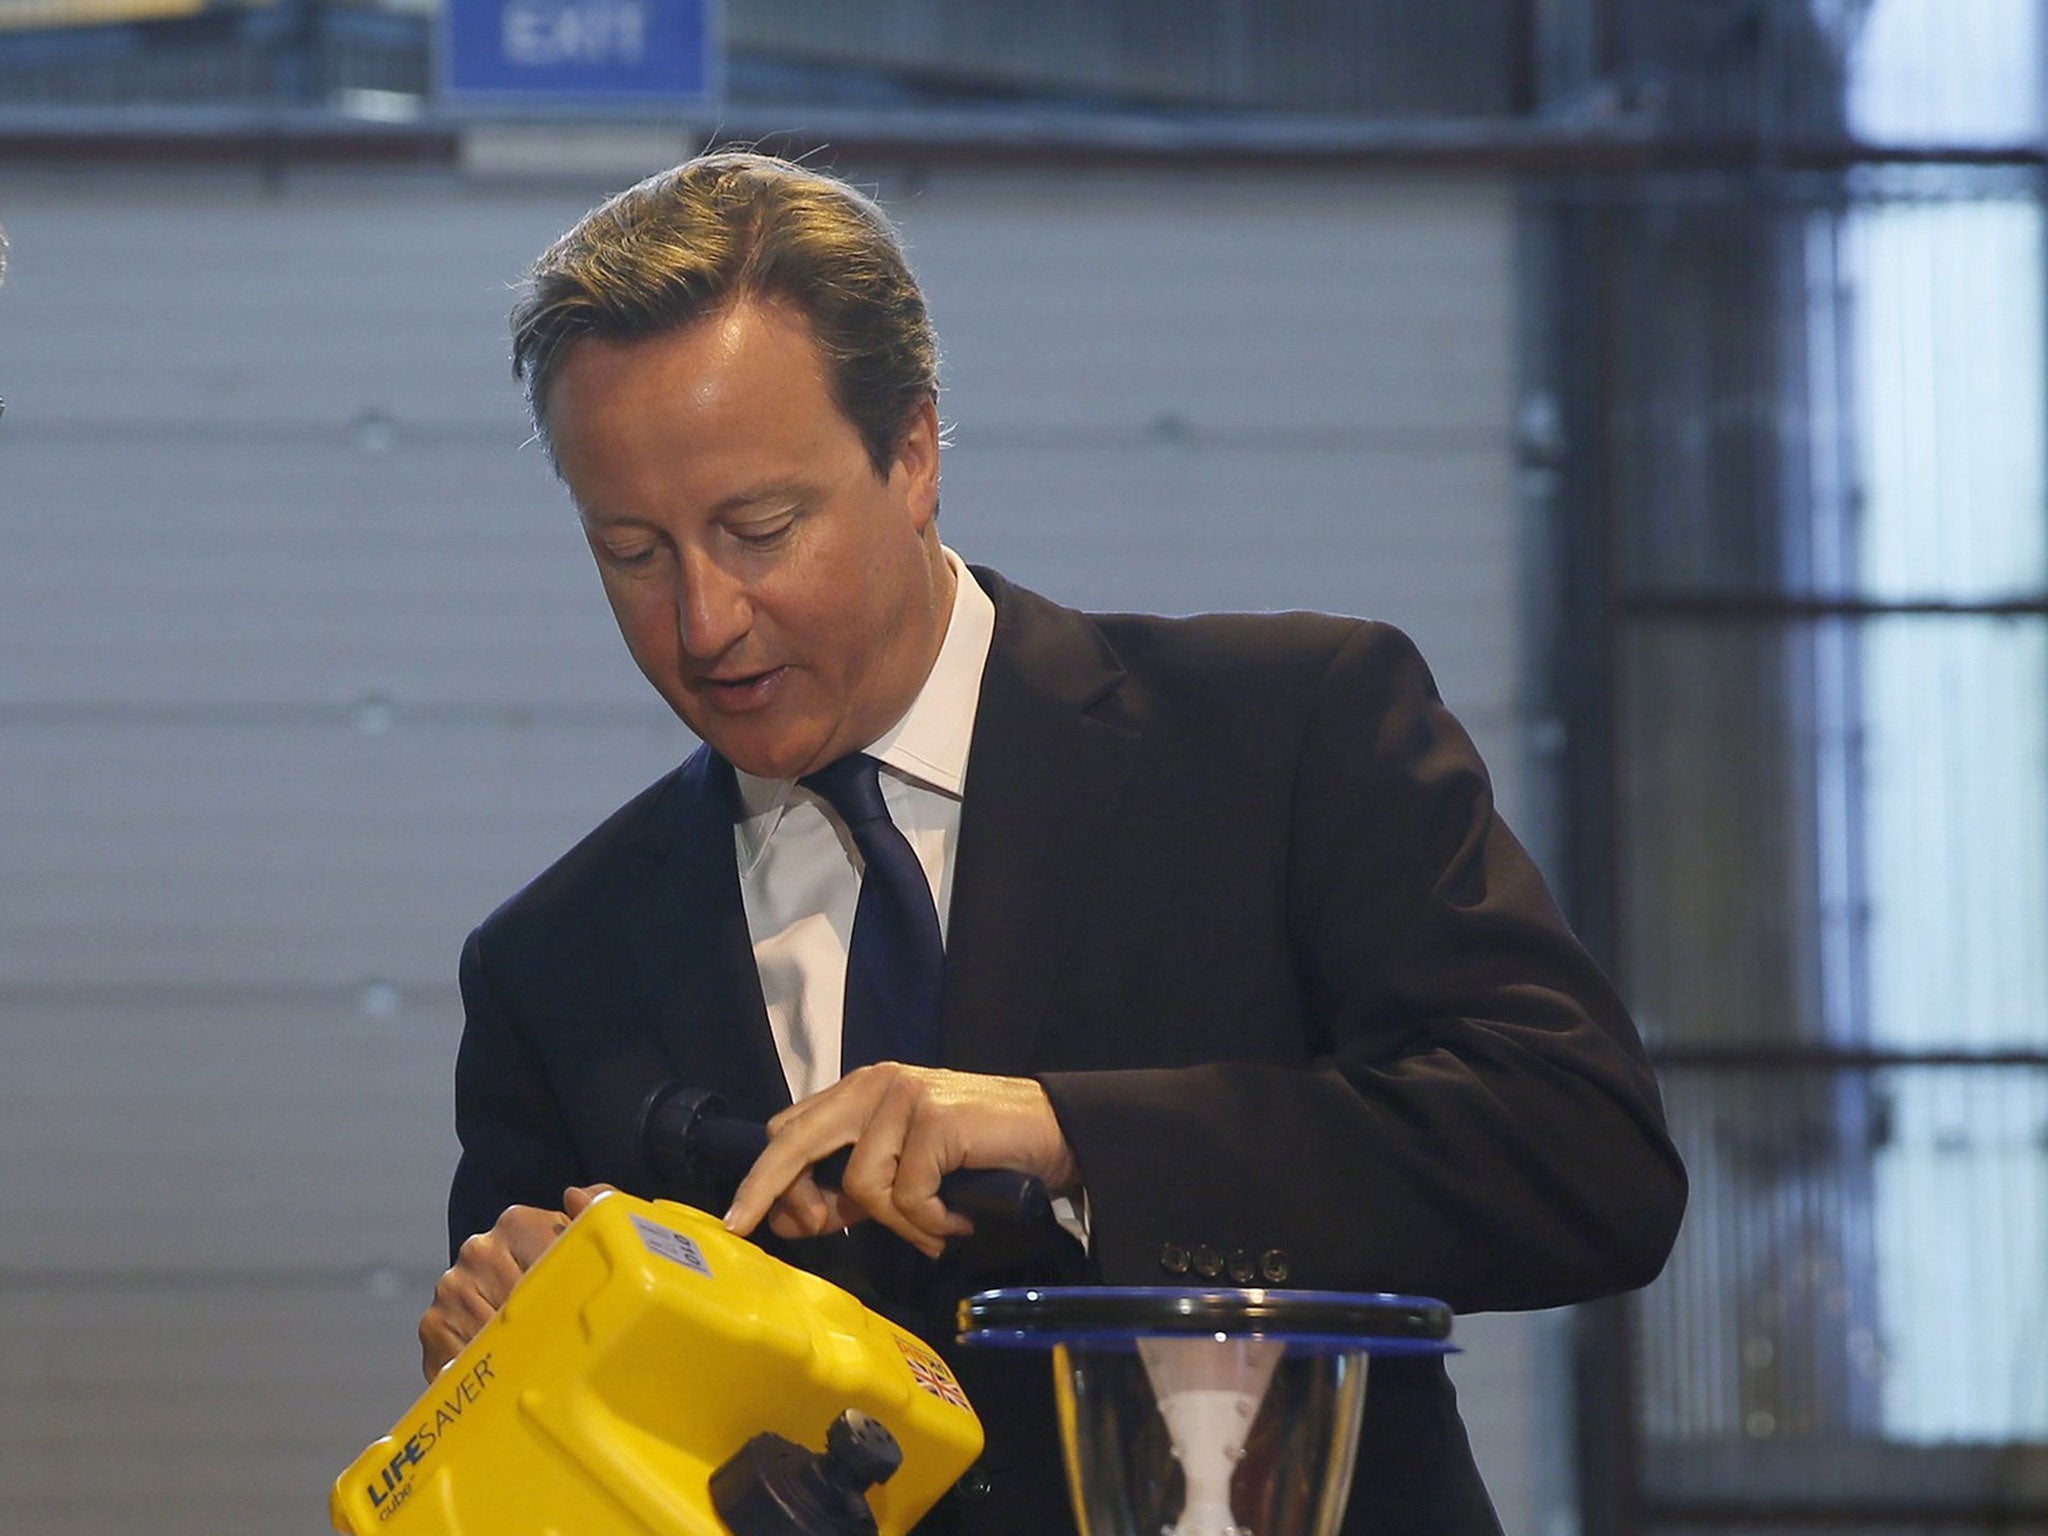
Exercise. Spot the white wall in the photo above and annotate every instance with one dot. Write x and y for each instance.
(302, 670)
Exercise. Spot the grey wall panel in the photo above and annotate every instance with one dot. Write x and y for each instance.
(166, 566)
(1227, 301)
(276, 850)
(1384, 534)
(214, 1131)
(228, 297)
(194, 1403)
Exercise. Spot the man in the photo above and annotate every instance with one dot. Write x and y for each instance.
(1235, 955)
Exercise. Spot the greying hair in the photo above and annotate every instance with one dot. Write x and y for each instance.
(693, 241)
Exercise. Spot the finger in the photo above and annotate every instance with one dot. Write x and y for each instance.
(465, 1303)
(469, 1300)
(797, 1138)
(457, 1315)
(874, 1176)
(933, 1147)
(484, 1266)
(895, 1167)
(526, 1232)
(916, 1193)
(833, 1103)
(490, 1263)
(439, 1343)
(768, 1182)
(805, 1210)
(578, 1199)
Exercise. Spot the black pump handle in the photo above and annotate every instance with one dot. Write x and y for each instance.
(686, 1133)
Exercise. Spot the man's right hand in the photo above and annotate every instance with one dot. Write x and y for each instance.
(485, 1270)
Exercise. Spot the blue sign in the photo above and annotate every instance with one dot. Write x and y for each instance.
(580, 50)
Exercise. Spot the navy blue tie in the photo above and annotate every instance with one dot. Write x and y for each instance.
(896, 958)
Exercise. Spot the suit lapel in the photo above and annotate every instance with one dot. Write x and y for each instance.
(690, 941)
(1051, 773)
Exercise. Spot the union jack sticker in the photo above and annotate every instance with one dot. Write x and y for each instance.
(932, 1373)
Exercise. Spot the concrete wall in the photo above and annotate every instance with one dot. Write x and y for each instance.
(302, 669)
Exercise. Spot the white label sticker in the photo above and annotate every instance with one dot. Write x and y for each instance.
(671, 1244)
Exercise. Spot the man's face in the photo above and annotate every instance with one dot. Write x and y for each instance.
(783, 599)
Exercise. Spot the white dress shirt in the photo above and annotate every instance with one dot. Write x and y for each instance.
(800, 871)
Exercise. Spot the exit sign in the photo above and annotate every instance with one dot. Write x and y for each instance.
(586, 51)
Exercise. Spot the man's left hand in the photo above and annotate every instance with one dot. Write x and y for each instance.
(908, 1127)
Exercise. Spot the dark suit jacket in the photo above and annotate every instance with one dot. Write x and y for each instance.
(1233, 889)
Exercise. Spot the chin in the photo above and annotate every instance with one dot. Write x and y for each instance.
(769, 760)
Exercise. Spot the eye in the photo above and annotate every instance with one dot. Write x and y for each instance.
(632, 557)
(763, 535)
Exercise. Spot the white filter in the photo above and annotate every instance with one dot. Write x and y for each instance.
(1208, 1390)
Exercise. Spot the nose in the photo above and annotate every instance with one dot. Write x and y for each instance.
(712, 609)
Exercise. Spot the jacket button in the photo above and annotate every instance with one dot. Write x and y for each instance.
(1242, 1269)
(1208, 1262)
(974, 1483)
(1173, 1259)
(1274, 1266)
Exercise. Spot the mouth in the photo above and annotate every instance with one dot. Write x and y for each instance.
(739, 694)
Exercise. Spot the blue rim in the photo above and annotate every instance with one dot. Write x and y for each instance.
(1038, 1317)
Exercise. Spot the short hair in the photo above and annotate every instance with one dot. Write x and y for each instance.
(695, 240)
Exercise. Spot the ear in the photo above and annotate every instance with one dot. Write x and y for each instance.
(917, 460)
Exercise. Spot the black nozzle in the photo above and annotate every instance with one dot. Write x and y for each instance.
(774, 1487)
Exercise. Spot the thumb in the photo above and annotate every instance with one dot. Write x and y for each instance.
(575, 1201)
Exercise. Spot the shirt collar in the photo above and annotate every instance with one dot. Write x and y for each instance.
(928, 746)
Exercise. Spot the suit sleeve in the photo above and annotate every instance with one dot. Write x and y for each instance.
(515, 1147)
(1479, 1122)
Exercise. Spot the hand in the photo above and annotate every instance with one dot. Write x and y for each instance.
(485, 1270)
(909, 1127)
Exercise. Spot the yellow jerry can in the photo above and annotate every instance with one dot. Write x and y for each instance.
(642, 1353)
